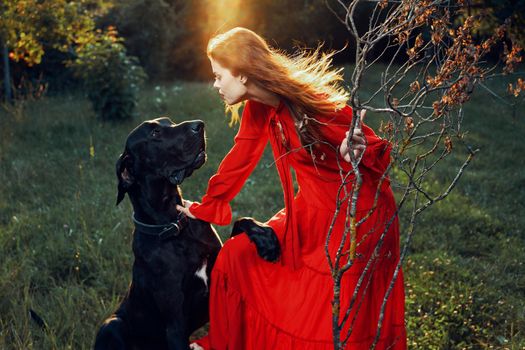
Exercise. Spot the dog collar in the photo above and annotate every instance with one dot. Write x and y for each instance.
(165, 231)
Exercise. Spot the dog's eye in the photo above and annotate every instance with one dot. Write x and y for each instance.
(155, 132)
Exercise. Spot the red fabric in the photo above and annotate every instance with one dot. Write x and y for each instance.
(258, 305)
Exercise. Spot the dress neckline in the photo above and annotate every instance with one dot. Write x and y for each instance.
(279, 106)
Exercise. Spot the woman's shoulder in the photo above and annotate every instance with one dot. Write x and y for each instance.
(254, 117)
(256, 107)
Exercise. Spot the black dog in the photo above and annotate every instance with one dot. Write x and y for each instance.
(168, 296)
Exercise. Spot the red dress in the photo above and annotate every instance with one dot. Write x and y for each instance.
(260, 305)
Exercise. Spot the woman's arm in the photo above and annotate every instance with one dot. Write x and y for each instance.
(235, 168)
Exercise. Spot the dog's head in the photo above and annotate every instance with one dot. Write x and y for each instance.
(159, 148)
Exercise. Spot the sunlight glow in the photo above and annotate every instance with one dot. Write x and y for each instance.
(224, 14)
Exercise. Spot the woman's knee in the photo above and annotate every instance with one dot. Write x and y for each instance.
(236, 251)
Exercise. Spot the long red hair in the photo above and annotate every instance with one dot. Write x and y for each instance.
(306, 80)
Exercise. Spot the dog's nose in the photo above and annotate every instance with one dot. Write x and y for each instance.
(197, 126)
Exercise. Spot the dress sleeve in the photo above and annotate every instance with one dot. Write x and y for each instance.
(237, 165)
(377, 153)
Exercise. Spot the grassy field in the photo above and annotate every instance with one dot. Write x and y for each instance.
(65, 246)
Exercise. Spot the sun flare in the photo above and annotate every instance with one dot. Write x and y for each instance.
(224, 14)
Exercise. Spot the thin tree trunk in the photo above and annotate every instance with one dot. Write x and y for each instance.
(7, 74)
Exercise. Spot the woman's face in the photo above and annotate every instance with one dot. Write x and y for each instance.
(231, 88)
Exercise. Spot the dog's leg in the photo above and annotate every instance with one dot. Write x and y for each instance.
(261, 235)
(111, 335)
(177, 329)
(170, 302)
(177, 336)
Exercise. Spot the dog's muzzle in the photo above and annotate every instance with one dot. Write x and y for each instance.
(177, 176)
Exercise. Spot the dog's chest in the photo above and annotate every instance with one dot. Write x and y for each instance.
(178, 257)
(201, 272)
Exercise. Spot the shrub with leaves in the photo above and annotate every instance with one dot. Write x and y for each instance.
(112, 78)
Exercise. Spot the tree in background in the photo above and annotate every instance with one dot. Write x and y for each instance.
(495, 12)
(154, 30)
(421, 101)
(30, 30)
(112, 78)
(170, 36)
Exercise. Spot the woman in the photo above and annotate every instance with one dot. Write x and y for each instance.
(298, 105)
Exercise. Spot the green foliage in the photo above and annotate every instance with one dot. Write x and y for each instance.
(465, 277)
(111, 77)
(495, 12)
(30, 27)
(452, 305)
(153, 30)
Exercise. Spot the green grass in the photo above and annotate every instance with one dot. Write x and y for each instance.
(65, 246)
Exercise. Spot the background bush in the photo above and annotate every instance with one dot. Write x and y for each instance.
(111, 78)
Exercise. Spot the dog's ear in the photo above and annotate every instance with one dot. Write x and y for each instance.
(124, 175)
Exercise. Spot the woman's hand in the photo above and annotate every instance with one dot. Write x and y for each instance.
(358, 142)
(186, 208)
